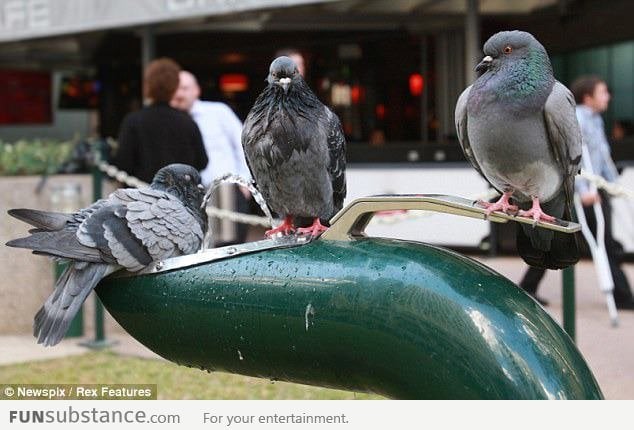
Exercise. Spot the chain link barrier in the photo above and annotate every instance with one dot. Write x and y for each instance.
(388, 217)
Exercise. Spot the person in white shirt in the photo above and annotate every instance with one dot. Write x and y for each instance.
(221, 130)
(220, 127)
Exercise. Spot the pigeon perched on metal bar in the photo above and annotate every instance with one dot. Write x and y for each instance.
(295, 149)
(517, 126)
(128, 230)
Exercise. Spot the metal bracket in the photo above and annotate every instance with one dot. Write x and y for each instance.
(215, 254)
(351, 221)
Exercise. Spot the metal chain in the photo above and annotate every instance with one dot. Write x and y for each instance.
(385, 218)
(131, 181)
(238, 217)
(121, 176)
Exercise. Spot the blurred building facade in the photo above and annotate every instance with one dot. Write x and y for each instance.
(391, 69)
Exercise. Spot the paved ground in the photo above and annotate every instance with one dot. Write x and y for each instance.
(609, 351)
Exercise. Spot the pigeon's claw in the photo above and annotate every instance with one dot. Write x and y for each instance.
(285, 228)
(536, 213)
(314, 230)
(502, 204)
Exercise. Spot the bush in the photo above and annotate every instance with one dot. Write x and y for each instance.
(33, 157)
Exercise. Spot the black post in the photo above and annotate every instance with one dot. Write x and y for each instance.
(569, 301)
(100, 341)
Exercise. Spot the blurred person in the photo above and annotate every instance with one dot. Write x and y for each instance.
(377, 137)
(221, 132)
(296, 56)
(592, 97)
(620, 130)
(158, 134)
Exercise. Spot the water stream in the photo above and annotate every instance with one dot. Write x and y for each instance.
(230, 178)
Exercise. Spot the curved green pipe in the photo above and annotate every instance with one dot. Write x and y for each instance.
(401, 319)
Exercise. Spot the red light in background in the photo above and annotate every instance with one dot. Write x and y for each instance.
(416, 84)
(357, 94)
(410, 112)
(234, 82)
(379, 110)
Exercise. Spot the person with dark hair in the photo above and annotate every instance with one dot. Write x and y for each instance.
(158, 134)
(592, 97)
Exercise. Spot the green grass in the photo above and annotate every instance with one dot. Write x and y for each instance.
(173, 381)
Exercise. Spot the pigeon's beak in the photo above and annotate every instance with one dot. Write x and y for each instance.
(484, 64)
(285, 82)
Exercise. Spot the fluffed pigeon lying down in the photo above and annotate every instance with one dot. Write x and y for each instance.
(517, 126)
(295, 149)
(128, 230)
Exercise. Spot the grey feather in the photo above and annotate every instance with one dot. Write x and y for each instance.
(41, 219)
(74, 285)
(461, 117)
(129, 230)
(517, 126)
(295, 148)
(63, 244)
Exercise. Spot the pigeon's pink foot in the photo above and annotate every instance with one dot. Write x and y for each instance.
(285, 228)
(314, 230)
(501, 205)
(536, 213)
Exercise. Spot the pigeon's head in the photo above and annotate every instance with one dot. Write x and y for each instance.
(513, 49)
(283, 72)
(182, 181)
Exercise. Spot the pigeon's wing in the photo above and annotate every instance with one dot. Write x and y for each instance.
(56, 234)
(106, 230)
(247, 142)
(337, 167)
(461, 128)
(139, 226)
(42, 220)
(250, 168)
(563, 130)
(161, 223)
(558, 250)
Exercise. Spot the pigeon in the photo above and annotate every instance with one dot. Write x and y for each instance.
(295, 149)
(517, 126)
(128, 230)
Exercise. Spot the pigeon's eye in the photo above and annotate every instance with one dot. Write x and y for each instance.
(274, 74)
(508, 49)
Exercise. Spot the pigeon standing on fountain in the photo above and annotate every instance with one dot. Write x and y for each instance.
(517, 126)
(130, 229)
(295, 148)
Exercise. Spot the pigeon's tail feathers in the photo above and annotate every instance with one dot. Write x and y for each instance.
(549, 249)
(71, 289)
(42, 220)
(539, 238)
(63, 244)
(563, 252)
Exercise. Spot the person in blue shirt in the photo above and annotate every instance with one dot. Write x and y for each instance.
(592, 97)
